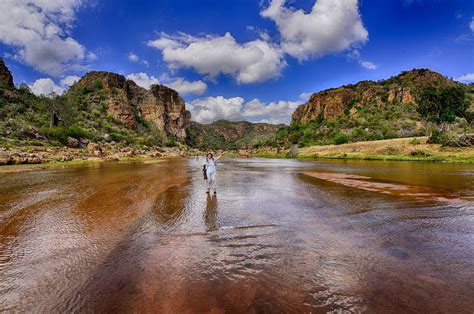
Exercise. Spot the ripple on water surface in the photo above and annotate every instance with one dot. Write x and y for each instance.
(145, 237)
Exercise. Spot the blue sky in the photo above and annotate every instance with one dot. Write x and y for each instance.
(235, 59)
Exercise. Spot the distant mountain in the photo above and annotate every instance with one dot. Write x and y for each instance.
(225, 134)
(368, 110)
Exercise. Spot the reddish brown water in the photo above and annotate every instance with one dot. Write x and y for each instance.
(138, 237)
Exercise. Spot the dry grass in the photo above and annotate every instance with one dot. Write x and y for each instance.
(393, 149)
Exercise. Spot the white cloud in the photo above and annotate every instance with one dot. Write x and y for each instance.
(368, 65)
(45, 86)
(38, 30)
(466, 78)
(209, 109)
(331, 26)
(179, 84)
(250, 62)
(185, 87)
(69, 80)
(305, 96)
(471, 25)
(143, 80)
(133, 57)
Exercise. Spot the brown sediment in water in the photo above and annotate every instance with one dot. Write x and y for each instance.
(395, 189)
(137, 237)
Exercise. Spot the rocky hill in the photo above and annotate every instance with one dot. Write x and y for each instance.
(332, 103)
(368, 110)
(160, 108)
(100, 107)
(225, 134)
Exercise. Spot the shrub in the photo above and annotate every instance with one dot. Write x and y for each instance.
(444, 138)
(340, 139)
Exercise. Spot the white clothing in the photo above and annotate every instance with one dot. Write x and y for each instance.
(211, 174)
(211, 181)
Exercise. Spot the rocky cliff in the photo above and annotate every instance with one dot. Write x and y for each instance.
(160, 107)
(332, 103)
(6, 78)
(225, 134)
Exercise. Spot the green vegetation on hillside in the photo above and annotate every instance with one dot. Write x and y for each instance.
(229, 135)
(440, 111)
(31, 120)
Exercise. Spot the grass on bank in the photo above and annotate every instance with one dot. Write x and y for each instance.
(409, 149)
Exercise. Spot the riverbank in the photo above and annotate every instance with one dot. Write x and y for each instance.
(94, 152)
(409, 149)
(400, 149)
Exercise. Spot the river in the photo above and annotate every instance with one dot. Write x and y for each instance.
(279, 236)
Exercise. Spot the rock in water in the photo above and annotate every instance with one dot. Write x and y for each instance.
(6, 78)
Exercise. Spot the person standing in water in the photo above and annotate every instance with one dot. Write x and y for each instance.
(211, 172)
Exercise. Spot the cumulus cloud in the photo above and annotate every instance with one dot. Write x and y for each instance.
(331, 26)
(466, 78)
(69, 80)
(45, 87)
(179, 84)
(143, 80)
(38, 30)
(133, 57)
(185, 87)
(368, 65)
(209, 109)
(305, 96)
(250, 62)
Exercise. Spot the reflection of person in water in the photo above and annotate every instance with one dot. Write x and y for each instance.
(211, 215)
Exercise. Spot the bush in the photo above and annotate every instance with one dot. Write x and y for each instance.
(340, 139)
(444, 138)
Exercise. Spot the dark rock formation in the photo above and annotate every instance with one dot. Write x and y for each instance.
(331, 104)
(6, 78)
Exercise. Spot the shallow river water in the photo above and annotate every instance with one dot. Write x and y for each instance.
(280, 236)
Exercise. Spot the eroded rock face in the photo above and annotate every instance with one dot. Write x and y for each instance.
(331, 104)
(328, 105)
(161, 106)
(166, 110)
(6, 78)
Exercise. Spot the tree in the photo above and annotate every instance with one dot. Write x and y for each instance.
(442, 104)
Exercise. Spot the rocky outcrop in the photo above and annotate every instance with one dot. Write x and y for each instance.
(333, 103)
(6, 78)
(162, 107)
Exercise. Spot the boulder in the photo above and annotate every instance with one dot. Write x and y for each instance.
(95, 150)
(466, 140)
(72, 142)
(83, 142)
(31, 132)
(4, 158)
